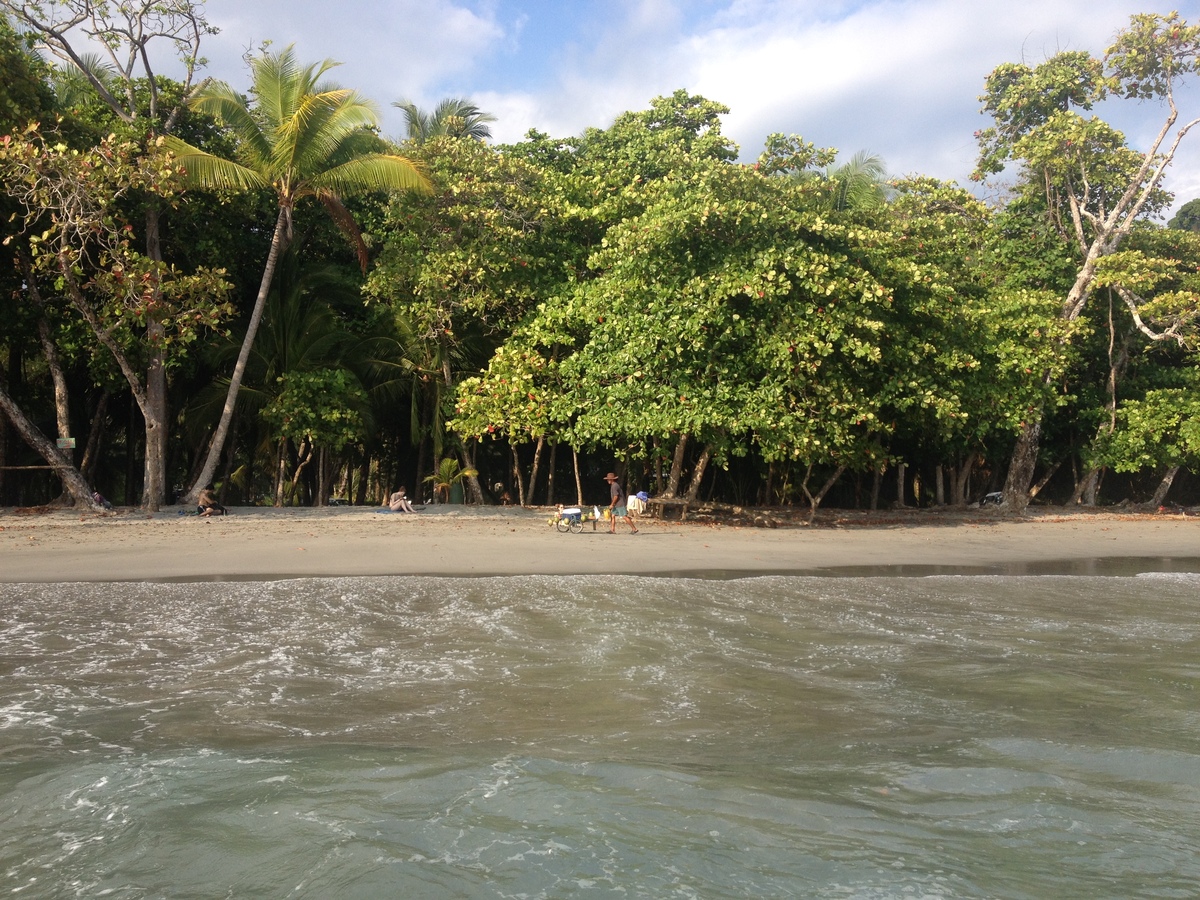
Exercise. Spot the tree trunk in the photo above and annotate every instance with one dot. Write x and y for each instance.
(901, 468)
(1093, 488)
(1085, 490)
(1160, 495)
(72, 481)
(364, 482)
(278, 242)
(578, 477)
(1021, 466)
(304, 455)
(676, 468)
(280, 474)
(62, 405)
(815, 501)
(1044, 480)
(550, 473)
(95, 434)
(520, 479)
(474, 490)
(693, 490)
(939, 485)
(876, 486)
(137, 390)
(154, 486)
(537, 464)
(323, 478)
(962, 481)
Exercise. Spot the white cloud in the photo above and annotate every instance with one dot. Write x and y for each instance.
(400, 49)
(899, 78)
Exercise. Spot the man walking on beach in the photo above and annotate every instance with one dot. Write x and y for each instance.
(616, 506)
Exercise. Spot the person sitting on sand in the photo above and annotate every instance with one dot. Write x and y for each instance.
(207, 505)
(399, 501)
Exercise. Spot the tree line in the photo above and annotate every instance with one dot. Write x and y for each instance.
(260, 290)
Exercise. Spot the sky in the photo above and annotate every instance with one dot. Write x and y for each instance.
(896, 78)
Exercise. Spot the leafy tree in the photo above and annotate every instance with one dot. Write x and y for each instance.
(25, 93)
(1160, 430)
(319, 410)
(459, 267)
(1188, 216)
(77, 243)
(132, 90)
(721, 312)
(300, 139)
(1095, 186)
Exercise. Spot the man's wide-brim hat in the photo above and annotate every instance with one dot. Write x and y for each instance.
(611, 476)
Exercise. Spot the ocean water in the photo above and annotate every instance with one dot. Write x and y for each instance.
(603, 736)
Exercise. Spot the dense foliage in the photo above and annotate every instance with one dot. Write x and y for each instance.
(635, 298)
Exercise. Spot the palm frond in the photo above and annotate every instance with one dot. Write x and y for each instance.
(310, 139)
(372, 172)
(460, 118)
(281, 83)
(208, 171)
(73, 83)
(453, 117)
(416, 120)
(228, 107)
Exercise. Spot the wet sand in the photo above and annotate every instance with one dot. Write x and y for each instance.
(255, 543)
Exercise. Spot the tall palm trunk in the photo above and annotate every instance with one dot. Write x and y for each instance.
(278, 242)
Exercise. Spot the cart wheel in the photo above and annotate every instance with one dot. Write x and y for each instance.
(577, 526)
(562, 525)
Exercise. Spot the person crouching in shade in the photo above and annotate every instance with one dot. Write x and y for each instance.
(207, 505)
(399, 501)
(616, 505)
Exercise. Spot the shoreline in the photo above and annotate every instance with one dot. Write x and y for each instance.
(259, 543)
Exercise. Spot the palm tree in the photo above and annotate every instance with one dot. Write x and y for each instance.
(73, 84)
(860, 184)
(449, 473)
(453, 117)
(299, 138)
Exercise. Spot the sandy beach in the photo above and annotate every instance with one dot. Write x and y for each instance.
(259, 543)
